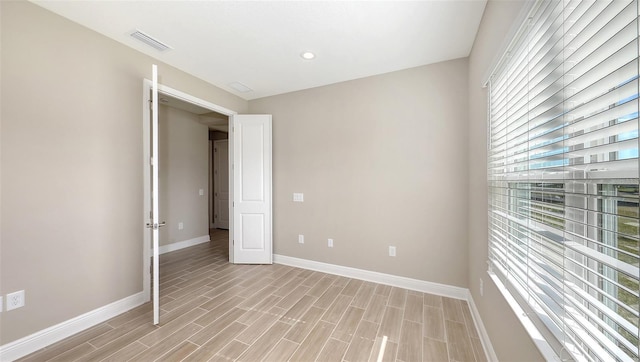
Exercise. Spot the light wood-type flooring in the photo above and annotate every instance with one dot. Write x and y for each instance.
(213, 310)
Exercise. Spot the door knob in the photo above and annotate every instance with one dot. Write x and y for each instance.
(156, 226)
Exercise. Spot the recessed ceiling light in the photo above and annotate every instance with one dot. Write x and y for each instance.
(307, 55)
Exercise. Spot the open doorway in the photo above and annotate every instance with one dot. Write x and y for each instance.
(250, 178)
(186, 106)
(190, 176)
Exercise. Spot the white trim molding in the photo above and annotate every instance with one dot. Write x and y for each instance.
(371, 276)
(194, 100)
(183, 244)
(29, 344)
(482, 332)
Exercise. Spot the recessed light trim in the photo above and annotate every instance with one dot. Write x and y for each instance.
(307, 55)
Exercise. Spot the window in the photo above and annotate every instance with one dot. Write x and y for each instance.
(563, 176)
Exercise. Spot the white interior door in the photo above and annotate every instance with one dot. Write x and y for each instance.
(251, 170)
(221, 184)
(155, 207)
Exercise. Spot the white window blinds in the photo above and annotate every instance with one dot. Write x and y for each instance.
(563, 175)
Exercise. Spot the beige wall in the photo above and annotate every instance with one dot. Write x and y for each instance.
(381, 161)
(184, 170)
(217, 135)
(71, 181)
(509, 339)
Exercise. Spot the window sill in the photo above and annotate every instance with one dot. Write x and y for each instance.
(538, 339)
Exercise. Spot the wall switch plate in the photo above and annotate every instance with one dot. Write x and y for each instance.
(201, 192)
(392, 251)
(15, 300)
(180, 225)
(301, 239)
(0, 304)
(330, 243)
(298, 197)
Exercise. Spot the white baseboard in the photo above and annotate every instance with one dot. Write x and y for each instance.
(482, 332)
(371, 276)
(29, 344)
(183, 244)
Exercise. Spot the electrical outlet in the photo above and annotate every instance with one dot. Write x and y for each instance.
(201, 192)
(301, 239)
(330, 243)
(15, 300)
(180, 225)
(298, 197)
(481, 287)
(392, 251)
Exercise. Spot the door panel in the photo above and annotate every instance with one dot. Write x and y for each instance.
(253, 232)
(252, 162)
(252, 218)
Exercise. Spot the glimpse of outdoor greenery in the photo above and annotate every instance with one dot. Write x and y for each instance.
(628, 231)
(545, 204)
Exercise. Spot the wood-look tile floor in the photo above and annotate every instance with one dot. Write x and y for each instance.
(215, 311)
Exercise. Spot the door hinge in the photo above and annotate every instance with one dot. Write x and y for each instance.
(215, 150)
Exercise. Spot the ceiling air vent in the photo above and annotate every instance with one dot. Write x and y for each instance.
(156, 44)
(240, 87)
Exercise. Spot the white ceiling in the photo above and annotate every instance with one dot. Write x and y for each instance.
(259, 43)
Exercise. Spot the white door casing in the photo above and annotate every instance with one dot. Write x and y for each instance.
(221, 184)
(252, 199)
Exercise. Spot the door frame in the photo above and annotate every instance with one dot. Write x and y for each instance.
(146, 169)
(216, 184)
